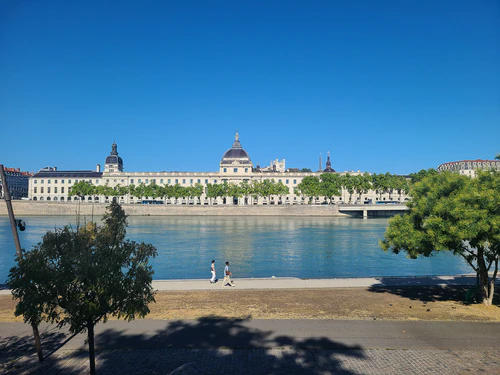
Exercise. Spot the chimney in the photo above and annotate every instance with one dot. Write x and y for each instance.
(98, 168)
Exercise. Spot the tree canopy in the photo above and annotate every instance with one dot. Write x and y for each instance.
(452, 212)
(78, 278)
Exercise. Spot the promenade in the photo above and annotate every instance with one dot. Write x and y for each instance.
(214, 345)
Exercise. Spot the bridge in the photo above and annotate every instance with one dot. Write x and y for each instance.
(366, 210)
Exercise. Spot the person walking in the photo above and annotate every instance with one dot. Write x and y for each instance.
(227, 276)
(212, 269)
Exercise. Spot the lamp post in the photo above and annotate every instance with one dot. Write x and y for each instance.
(8, 202)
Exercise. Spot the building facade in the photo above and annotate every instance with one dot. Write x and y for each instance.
(17, 181)
(469, 167)
(235, 167)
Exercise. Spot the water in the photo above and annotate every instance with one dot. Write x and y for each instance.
(306, 247)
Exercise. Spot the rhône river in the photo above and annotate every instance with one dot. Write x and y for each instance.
(306, 247)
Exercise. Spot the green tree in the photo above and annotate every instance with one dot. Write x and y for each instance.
(309, 187)
(361, 184)
(497, 157)
(83, 189)
(452, 212)
(331, 185)
(306, 170)
(348, 182)
(420, 175)
(94, 272)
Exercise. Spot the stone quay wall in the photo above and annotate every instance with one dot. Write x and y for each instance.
(27, 208)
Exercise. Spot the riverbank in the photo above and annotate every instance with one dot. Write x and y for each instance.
(439, 298)
(34, 208)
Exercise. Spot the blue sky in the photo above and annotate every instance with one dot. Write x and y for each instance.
(385, 86)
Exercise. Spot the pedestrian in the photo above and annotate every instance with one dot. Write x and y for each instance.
(212, 269)
(227, 276)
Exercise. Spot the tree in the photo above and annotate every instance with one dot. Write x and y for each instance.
(306, 170)
(309, 187)
(452, 212)
(330, 185)
(497, 157)
(87, 276)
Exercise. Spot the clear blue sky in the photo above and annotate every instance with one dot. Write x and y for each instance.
(385, 86)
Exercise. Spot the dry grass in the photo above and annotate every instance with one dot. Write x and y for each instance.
(405, 303)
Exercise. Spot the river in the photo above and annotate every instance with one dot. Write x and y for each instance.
(305, 247)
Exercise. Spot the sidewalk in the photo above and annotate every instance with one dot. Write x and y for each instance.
(296, 283)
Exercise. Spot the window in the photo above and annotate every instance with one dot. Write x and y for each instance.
(287, 181)
(69, 181)
(55, 181)
(161, 181)
(76, 181)
(191, 181)
(279, 180)
(176, 180)
(131, 180)
(35, 181)
(199, 181)
(55, 190)
(41, 190)
(34, 190)
(139, 180)
(41, 181)
(147, 180)
(294, 182)
(215, 181)
(48, 190)
(235, 170)
(183, 180)
(153, 181)
(62, 181)
(206, 181)
(121, 180)
(168, 181)
(225, 170)
(48, 181)
(62, 190)
(246, 170)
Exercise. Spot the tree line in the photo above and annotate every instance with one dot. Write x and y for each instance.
(328, 185)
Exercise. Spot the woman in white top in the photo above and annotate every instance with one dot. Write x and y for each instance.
(212, 269)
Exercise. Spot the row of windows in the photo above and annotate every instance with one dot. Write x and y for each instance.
(62, 181)
(235, 170)
(35, 190)
(146, 181)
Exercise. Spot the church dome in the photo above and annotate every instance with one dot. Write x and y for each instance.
(236, 153)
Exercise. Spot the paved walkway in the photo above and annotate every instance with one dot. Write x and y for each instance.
(232, 346)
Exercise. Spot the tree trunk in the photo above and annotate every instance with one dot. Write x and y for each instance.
(38, 343)
(483, 278)
(90, 329)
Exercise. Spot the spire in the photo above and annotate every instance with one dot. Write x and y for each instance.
(236, 143)
(114, 149)
(328, 162)
(320, 163)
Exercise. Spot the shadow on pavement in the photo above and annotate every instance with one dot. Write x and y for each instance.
(211, 346)
(425, 290)
(18, 352)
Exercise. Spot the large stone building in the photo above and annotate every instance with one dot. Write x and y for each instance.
(469, 167)
(234, 167)
(17, 181)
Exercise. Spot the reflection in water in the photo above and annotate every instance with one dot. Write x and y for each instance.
(307, 247)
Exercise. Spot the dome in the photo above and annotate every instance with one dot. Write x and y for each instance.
(236, 153)
(114, 159)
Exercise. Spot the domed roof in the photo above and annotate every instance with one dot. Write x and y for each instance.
(236, 153)
(113, 157)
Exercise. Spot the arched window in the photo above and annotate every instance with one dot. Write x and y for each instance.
(89, 198)
(41, 198)
(34, 198)
(55, 198)
(62, 199)
(48, 198)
